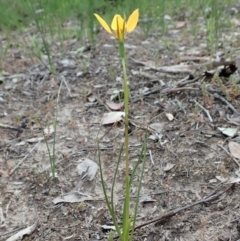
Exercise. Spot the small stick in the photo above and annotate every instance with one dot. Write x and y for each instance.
(15, 128)
(217, 96)
(8, 208)
(14, 169)
(234, 159)
(205, 110)
(151, 157)
(186, 81)
(163, 91)
(210, 198)
(166, 91)
(66, 84)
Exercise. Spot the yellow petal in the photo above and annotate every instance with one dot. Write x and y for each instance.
(118, 22)
(103, 23)
(132, 21)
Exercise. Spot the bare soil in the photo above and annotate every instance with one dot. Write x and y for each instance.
(188, 157)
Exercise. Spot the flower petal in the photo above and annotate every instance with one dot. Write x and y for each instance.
(132, 21)
(103, 23)
(118, 22)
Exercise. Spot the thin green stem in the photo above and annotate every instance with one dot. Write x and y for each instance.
(127, 184)
(142, 159)
(110, 203)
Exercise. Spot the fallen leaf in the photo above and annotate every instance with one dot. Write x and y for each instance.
(234, 149)
(19, 235)
(153, 137)
(91, 98)
(231, 132)
(158, 127)
(108, 227)
(234, 180)
(54, 83)
(169, 116)
(168, 167)
(145, 198)
(112, 117)
(2, 219)
(235, 21)
(114, 106)
(35, 140)
(74, 197)
(181, 24)
(221, 179)
(67, 63)
(49, 130)
(88, 168)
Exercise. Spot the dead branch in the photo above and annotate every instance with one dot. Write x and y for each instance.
(210, 198)
(217, 96)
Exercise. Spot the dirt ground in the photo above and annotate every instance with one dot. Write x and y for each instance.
(177, 97)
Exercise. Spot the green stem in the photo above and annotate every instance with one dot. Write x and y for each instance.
(127, 184)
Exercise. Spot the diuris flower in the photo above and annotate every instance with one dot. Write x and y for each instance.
(119, 28)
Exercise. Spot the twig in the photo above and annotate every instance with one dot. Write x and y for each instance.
(186, 81)
(158, 193)
(27, 231)
(217, 96)
(162, 219)
(13, 231)
(234, 159)
(15, 128)
(14, 169)
(205, 110)
(167, 91)
(215, 64)
(163, 91)
(151, 157)
(66, 84)
(7, 208)
(210, 198)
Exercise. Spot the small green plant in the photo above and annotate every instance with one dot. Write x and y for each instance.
(235, 86)
(3, 54)
(219, 82)
(52, 129)
(35, 46)
(51, 153)
(206, 97)
(42, 28)
(119, 28)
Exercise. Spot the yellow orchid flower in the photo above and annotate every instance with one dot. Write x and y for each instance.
(119, 28)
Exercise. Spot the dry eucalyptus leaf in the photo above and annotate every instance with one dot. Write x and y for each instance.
(168, 167)
(234, 149)
(181, 24)
(169, 116)
(231, 132)
(74, 197)
(153, 137)
(221, 179)
(112, 117)
(67, 63)
(234, 180)
(35, 140)
(91, 98)
(114, 106)
(108, 227)
(2, 219)
(19, 235)
(158, 127)
(49, 130)
(145, 198)
(88, 168)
